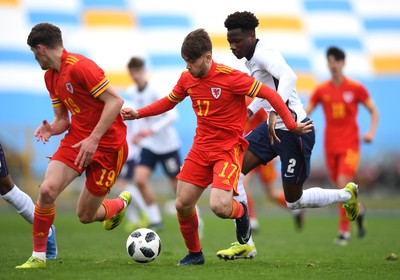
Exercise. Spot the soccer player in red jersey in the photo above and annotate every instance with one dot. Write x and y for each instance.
(218, 99)
(87, 108)
(340, 98)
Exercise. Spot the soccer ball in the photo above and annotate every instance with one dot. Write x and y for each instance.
(143, 245)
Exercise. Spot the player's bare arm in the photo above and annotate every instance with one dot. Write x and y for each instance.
(60, 124)
(88, 146)
(370, 135)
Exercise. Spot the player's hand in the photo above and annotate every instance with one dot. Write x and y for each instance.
(368, 137)
(305, 127)
(43, 132)
(271, 127)
(129, 114)
(87, 149)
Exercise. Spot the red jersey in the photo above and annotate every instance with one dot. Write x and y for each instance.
(219, 103)
(340, 105)
(77, 85)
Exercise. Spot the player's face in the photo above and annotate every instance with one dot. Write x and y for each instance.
(41, 57)
(335, 66)
(199, 67)
(241, 43)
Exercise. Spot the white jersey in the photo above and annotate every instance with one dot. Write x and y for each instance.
(165, 137)
(269, 67)
(133, 149)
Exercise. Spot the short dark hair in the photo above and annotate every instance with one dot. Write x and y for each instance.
(244, 20)
(195, 44)
(46, 34)
(136, 62)
(337, 53)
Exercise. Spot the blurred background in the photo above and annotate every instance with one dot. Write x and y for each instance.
(112, 31)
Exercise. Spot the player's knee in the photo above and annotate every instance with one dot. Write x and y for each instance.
(220, 209)
(84, 218)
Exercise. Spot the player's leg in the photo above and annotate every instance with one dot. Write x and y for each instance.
(295, 153)
(58, 176)
(347, 164)
(136, 212)
(186, 198)
(143, 172)
(258, 152)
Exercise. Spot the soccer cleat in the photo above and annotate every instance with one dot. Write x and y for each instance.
(298, 215)
(51, 250)
(243, 226)
(117, 219)
(33, 262)
(192, 259)
(361, 223)
(238, 251)
(352, 206)
(341, 240)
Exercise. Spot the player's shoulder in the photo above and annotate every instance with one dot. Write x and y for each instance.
(222, 68)
(353, 83)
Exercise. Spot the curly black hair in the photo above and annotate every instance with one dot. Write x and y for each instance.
(244, 20)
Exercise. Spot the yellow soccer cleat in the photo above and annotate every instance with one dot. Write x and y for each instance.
(33, 262)
(238, 251)
(352, 206)
(117, 219)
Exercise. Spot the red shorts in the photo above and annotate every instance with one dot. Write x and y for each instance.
(219, 168)
(345, 163)
(102, 171)
(267, 173)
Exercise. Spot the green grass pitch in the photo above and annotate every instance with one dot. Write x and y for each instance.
(89, 252)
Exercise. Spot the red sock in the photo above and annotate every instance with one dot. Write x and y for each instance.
(189, 229)
(237, 210)
(250, 205)
(113, 206)
(344, 223)
(42, 221)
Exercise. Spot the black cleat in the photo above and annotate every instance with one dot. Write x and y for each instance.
(192, 259)
(361, 231)
(243, 226)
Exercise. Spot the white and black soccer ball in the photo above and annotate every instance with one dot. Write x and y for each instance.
(143, 245)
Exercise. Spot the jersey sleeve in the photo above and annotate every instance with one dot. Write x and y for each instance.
(273, 62)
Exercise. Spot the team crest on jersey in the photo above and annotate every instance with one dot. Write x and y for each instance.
(69, 87)
(348, 96)
(216, 92)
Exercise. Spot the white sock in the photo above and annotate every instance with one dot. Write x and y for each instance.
(22, 203)
(132, 214)
(318, 197)
(136, 197)
(242, 197)
(39, 255)
(154, 214)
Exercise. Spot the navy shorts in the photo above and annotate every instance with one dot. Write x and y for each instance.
(294, 151)
(3, 164)
(170, 162)
(127, 170)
